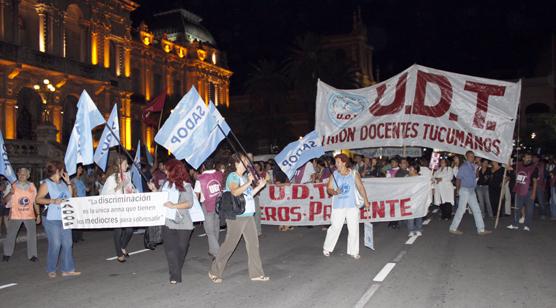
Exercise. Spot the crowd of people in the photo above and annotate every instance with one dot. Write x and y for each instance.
(459, 184)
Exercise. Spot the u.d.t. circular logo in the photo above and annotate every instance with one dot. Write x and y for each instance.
(344, 107)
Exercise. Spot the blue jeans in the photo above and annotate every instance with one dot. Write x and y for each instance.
(520, 202)
(553, 201)
(58, 239)
(414, 225)
(468, 196)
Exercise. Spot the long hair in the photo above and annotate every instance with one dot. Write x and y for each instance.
(53, 166)
(114, 163)
(177, 173)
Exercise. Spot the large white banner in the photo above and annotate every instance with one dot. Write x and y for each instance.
(422, 106)
(115, 211)
(302, 205)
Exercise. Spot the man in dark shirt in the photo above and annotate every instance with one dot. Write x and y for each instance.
(525, 188)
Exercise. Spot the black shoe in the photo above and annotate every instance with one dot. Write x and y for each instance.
(34, 259)
(6, 258)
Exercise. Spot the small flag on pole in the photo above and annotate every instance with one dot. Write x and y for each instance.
(135, 174)
(80, 146)
(5, 166)
(108, 140)
(297, 153)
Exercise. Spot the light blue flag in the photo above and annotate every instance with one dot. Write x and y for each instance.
(80, 146)
(135, 174)
(5, 166)
(297, 153)
(191, 130)
(108, 140)
(149, 157)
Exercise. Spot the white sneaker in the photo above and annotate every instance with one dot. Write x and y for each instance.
(522, 220)
(411, 234)
(512, 227)
(418, 233)
(526, 228)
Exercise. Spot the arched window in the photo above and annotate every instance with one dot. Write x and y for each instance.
(74, 34)
(28, 113)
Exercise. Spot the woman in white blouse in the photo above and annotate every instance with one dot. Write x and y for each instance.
(444, 189)
(119, 182)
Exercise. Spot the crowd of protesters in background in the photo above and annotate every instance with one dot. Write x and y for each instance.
(459, 184)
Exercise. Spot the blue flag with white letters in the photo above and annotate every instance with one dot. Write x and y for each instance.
(135, 174)
(108, 140)
(191, 131)
(297, 153)
(5, 166)
(80, 145)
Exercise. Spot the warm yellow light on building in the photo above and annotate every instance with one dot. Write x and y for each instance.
(42, 32)
(106, 52)
(214, 58)
(94, 48)
(201, 54)
(166, 45)
(146, 41)
(128, 133)
(127, 62)
(181, 51)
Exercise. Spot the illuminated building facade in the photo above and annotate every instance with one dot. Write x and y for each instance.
(50, 51)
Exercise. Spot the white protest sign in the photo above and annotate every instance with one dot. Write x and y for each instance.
(115, 211)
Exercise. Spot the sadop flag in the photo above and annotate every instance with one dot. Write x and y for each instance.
(188, 131)
(297, 153)
(108, 139)
(5, 166)
(80, 146)
(135, 173)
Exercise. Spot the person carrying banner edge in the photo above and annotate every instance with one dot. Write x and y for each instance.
(342, 185)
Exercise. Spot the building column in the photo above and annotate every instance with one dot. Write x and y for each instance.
(106, 54)
(2, 21)
(41, 11)
(127, 61)
(10, 118)
(125, 121)
(56, 115)
(94, 47)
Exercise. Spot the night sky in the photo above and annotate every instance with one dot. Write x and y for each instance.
(496, 39)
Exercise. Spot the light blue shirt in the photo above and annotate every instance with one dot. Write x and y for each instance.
(247, 194)
(346, 198)
(80, 188)
(467, 175)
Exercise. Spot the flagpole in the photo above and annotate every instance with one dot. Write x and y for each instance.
(156, 144)
(501, 195)
(138, 166)
(236, 151)
(242, 148)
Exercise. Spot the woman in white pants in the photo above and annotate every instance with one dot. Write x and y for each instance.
(342, 185)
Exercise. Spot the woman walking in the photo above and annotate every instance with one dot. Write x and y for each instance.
(119, 182)
(23, 211)
(244, 225)
(415, 225)
(53, 191)
(342, 185)
(444, 189)
(178, 229)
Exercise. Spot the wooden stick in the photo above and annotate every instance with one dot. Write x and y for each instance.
(501, 195)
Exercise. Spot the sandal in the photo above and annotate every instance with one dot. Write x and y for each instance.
(326, 253)
(52, 275)
(214, 278)
(68, 274)
(356, 257)
(261, 278)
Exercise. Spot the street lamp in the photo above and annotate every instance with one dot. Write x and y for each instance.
(45, 92)
(533, 135)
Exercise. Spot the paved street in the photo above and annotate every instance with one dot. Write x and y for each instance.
(506, 269)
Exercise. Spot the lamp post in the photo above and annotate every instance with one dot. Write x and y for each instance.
(46, 92)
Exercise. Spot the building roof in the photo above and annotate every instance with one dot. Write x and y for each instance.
(181, 26)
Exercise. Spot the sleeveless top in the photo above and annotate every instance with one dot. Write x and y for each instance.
(56, 191)
(211, 186)
(247, 194)
(22, 202)
(346, 198)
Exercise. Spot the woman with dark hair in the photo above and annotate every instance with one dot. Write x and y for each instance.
(177, 230)
(80, 190)
(342, 185)
(244, 225)
(415, 225)
(118, 181)
(53, 191)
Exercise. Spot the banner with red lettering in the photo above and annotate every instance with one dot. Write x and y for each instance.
(308, 204)
(422, 106)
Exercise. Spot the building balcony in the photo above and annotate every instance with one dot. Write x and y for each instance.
(24, 55)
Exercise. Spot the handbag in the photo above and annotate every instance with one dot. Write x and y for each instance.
(229, 203)
(359, 201)
(153, 237)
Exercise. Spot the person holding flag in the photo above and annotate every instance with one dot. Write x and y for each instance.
(108, 139)
(118, 181)
(5, 167)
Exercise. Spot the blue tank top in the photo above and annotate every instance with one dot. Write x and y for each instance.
(56, 191)
(346, 198)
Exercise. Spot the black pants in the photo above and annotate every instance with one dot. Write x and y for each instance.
(122, 236)
(176, 243)
(77, 235)
(446, 211)
(494, 194)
